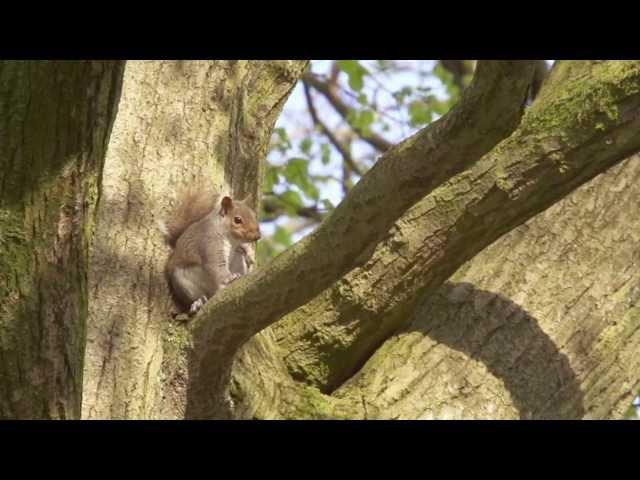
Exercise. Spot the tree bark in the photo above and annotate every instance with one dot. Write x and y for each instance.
(55, 119)
(529, 171)
(179, 123)
(543, 324)
(344, 325)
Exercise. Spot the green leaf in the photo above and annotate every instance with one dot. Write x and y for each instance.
(326, 153)
(366, 118)
(420, 113)
(271, 178)
(291, 201)
(297, 173)
(446, 77)
(282, 236)
(402, 94)
(355, 71)
(283, 143)
(296, 169)
(440, 107)
(266, 250)
(312, 191)
(363, 100)
(362, 120)
(282, 134)
(305, 145)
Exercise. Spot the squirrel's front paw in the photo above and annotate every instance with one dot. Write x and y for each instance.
(197, 305)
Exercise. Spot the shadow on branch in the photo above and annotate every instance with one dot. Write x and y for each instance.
(509, 342)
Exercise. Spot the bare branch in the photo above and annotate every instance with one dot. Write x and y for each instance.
(344, 151)
(489, 111)
(329, 92)
(274, 209)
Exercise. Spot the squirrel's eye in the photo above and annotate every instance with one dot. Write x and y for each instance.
(237, 220)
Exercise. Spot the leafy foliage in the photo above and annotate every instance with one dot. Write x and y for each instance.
(307, 174)
(355, 71)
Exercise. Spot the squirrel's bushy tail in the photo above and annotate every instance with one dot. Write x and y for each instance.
(192, 205)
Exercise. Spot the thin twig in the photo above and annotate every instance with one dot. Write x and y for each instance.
(329, 92)
(346, 156)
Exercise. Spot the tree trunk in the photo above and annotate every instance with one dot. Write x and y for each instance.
(178, 123)
(55, 119)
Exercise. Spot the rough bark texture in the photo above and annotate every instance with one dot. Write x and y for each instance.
(55, 119)
(328, 339)
(487, 113)
(552, 151)
(545, 323)
(179, 122)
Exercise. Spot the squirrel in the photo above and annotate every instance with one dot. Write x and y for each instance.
(211, 235)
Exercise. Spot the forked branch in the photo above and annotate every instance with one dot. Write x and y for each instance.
(487, 113)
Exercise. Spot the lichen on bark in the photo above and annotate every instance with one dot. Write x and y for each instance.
(55, 119)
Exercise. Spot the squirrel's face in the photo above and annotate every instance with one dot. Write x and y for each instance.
(241, 219)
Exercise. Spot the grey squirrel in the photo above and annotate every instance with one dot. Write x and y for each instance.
(211, 236)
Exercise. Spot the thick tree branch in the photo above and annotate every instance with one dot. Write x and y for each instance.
(462, 69)
(550, 319)
(262, 388)
(329, 92)
(555, 149)
(488, 111)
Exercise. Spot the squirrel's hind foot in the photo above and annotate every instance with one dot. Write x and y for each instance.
(197, 305)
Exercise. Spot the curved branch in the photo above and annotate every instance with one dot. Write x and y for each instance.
(555, 149)
(550, 318)
(326, 89)
(346, 156)
(488, 111)
(512, 368)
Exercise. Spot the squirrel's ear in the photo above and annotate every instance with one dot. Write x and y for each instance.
(227, 203)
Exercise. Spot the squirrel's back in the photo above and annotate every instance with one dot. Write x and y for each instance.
(192, 205)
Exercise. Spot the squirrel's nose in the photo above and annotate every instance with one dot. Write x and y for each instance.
(258, 236)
